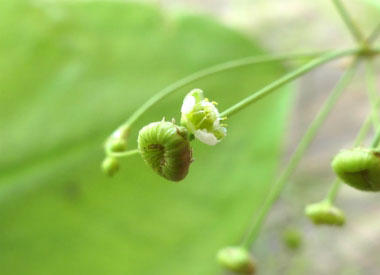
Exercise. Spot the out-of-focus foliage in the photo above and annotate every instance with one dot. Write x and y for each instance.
(69, 74)
(375, 3)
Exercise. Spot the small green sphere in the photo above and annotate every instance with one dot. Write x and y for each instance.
(118, 145)
(236, 259)
(325, 213)
(292, 238)
(110, 166)
(165, 147)
(359, 168)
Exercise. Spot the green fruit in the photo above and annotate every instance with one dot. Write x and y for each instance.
(166, 148)
(236, 259)
(359, 168)
(110, 166)
(325, 213)
(292, 238)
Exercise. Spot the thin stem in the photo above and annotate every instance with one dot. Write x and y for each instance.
(351, 25)
(374, 35)
(123, 154)
(297, 155)
(333, 192)
(376, 139)
(211, 71)
(286, 79)
(373, 117)
(372, 93)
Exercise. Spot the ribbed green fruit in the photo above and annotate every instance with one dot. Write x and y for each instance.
(165, 147)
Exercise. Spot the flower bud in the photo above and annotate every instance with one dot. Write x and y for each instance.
(117, 142)
(118, 145)
(110, 166)
(325, 213)
(165, 147)
(201, 118)
(236, 259)
(359, 168)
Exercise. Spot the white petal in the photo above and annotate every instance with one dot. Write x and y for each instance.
(205, 137)
(206, 104)
(188, 105)
(222, 130)
(216, 123)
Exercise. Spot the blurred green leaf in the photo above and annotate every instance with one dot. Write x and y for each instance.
(70, 74)
(375, 3)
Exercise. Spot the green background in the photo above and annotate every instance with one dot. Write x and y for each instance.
(69, 75)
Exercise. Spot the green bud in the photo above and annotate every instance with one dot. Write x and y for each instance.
(110, 166)
(201, 118)
(236, 259)
(117, 142)
(292, 238)
(118, 145)
(359, 168)
(325, 213)
(165, 147)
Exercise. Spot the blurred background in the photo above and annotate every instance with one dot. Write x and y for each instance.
(72, 71)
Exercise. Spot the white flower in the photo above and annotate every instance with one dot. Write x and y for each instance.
(201, 118)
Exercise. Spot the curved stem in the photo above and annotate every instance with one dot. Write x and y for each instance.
(286, 79)
(211, 71)
(297, 155)
(351, 25)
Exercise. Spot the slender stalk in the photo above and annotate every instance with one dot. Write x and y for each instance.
(372, 93)
(374, 35)
(333, 192)
(376, 139)
(123, 154)
(286, 79)
(351, 25)
(211, 71)
(297, 155)
(373, 117)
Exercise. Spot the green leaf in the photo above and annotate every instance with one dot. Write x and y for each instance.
(70, 73)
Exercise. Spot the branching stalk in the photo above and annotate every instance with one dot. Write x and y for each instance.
(285, 80)
(297, 155)
(351, 25)
(373, 117)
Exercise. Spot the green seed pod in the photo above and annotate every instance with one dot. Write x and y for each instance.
(359, 168)
(166, 148)
(325, 213)
(236, 259)
(110, 166)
